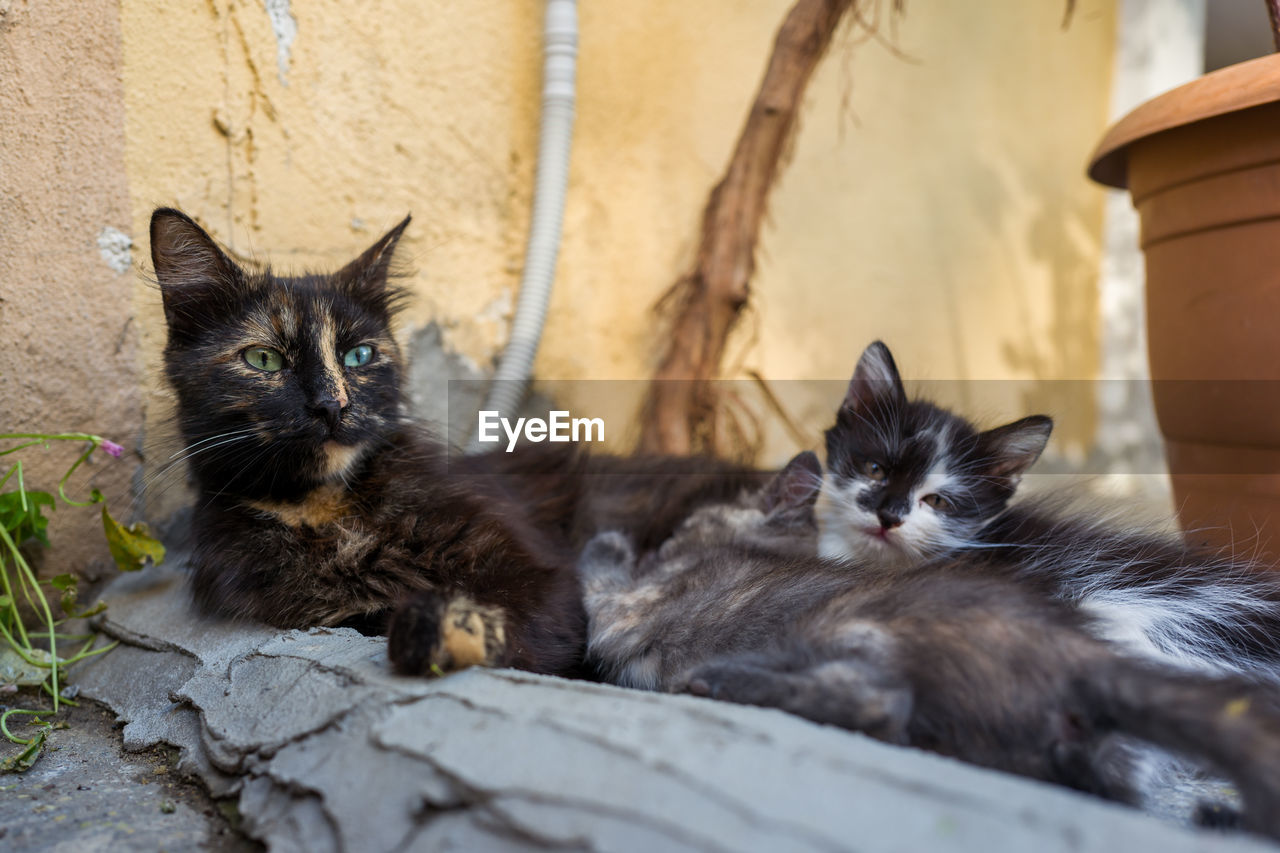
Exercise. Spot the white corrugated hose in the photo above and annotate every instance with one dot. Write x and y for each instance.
(560, 52)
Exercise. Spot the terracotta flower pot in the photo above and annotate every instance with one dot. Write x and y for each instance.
(1202, 164)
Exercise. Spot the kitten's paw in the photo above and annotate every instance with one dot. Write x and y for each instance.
(727, 682)
(430, 634)
(604, 553)
(857, 694)
(1212, 814)
(836, 693)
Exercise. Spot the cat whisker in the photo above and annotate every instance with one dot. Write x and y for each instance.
(196, 444)
(187, 453)
(262, 452)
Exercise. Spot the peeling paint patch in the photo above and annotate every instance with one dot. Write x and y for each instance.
(500, 309)
(285, 27)
(115, 246)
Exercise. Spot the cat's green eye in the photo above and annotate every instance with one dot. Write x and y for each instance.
(938, 502)
(264, 358)
(873, 470)
(358, 356)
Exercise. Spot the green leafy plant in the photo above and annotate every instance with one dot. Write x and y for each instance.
(29, 656)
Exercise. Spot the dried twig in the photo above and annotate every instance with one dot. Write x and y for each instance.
(798, 436)
(680, 416)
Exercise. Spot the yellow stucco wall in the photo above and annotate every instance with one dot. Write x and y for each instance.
(429, 108)
(68, 338)
(935, 200)
(952, 219)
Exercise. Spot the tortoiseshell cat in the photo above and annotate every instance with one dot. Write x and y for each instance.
(908, 481)
(954, 658)
(318, 502)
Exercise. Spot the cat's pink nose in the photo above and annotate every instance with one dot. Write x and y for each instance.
(888, 520)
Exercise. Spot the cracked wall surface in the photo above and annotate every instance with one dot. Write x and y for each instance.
(68, 336)
(325, 750)
(409, 107)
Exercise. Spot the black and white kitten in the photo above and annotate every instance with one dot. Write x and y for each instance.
(951, 656)
(908, 481)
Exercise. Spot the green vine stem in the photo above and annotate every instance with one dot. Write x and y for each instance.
(21, 519)
(24, 571)
(4, 724)
(94, 442)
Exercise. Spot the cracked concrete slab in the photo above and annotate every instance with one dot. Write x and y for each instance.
(326, 750)
(87, 795)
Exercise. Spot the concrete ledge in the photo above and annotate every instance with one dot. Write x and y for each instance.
(327, 751)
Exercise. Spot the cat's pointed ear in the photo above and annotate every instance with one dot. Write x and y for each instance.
(875, 378)
(796, 486)
(191, 268)
(1011, 449)
(367, 276)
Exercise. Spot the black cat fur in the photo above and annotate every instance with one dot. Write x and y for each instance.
(318, 503)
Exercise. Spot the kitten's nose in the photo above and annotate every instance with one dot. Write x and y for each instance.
(329, 409)
(888, 520)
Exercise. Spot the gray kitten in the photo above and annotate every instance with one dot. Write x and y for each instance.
(737, 606)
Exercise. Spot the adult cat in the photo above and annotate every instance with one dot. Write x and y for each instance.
(317, 502)
(907, 481)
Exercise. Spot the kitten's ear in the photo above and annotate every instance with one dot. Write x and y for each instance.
(875, 377)
(796, 486)
(366, 277)
(1013, 448)
(190, 267)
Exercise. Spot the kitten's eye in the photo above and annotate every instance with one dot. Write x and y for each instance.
(264, 358)
(938, 502)
(873, 470)
(358, 356)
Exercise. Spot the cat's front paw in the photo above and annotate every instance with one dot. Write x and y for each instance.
(608, 552)
(413, 637)
(431, 634)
